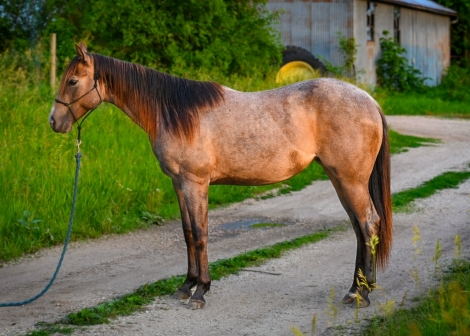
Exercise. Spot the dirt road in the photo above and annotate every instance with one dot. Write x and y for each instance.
(255, 303)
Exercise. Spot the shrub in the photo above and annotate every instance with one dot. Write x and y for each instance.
(393, 71)
(455, 84)
(348, 48)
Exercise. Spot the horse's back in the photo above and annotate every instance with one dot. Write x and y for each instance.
(302, 114)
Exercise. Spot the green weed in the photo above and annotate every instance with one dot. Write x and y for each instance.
(296, 331)
(332, 309)
(28, 221)
(445, 311)
(437, 255)
(51, 329)
(457, 247)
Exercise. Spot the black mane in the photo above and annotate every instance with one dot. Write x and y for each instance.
(155, 96)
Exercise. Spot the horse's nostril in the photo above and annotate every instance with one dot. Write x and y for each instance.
(51, 121)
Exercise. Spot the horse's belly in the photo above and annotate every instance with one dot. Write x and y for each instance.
(242, 181)
(262, 171)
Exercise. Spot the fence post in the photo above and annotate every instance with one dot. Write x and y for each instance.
(53, 61)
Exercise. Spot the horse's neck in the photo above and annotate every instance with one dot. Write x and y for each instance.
(127, 110)
(131, 108)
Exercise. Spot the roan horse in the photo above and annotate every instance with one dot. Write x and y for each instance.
(203, 133)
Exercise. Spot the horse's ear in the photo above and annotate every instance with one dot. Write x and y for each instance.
(82, 53)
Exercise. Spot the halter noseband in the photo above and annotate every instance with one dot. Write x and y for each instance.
(96, 76)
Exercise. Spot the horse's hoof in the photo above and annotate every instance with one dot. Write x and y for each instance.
(363, 303)
(196, 304)
(351, 299)
(179, 295)
(348, 298)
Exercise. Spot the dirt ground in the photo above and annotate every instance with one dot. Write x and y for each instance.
(254, 303)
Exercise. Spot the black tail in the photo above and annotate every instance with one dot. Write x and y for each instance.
(379, 189)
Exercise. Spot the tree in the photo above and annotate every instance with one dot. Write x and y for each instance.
(21, 23)
(225, 36)
(460, 31)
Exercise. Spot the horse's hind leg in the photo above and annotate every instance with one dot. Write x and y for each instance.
(365, 221)
(353, 292)
(184, 292)
(355, 198)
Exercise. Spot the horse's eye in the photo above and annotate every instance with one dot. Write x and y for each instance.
(72, 82)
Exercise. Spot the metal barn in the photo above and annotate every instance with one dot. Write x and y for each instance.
(422, 27)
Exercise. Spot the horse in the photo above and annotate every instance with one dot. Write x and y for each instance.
(204, 133)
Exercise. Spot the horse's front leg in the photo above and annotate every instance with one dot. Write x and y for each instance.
(184, 292)
(195, 192)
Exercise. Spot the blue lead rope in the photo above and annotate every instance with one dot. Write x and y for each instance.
(67, 238)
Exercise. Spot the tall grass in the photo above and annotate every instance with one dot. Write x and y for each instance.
(445, 311)
(119, 180)
(422, 104)
(449, 99)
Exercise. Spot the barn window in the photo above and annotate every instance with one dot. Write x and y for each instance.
(396, 23)
(370, 21)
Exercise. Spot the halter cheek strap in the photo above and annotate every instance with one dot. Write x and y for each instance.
(96, 76)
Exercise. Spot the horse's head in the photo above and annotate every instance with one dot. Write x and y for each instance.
(78, 92)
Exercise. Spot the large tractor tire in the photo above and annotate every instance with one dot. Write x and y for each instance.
(298, 64)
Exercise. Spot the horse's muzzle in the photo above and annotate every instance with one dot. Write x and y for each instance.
(60, 128)
(51, 122)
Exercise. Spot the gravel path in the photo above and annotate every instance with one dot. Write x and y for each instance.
(255, 303)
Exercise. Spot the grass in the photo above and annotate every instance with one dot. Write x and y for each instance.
(400, 143)
(50, 329)
(121, 185)
(445, 311)
(403, 199)
(451, 99)
(423, 105)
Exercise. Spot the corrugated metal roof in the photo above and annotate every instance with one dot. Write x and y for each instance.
(425, 5)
